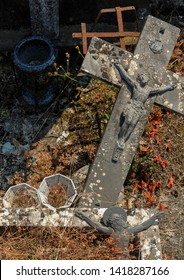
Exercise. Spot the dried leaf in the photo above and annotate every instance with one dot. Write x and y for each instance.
(170, 184)
(152, 131)
(144, 149)
(149, 197)
(168, 147)
(153, 185)
(158, 140)
(144, 184)
(163, 207)
(138, 187)
(162, 162)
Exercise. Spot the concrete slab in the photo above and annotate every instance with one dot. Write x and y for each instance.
(106, 178)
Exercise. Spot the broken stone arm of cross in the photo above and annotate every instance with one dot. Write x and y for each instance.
(97, 226)
(147, 224)
(161, 90)
(124, 75)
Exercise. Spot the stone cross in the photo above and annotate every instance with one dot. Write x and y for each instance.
(106, 179)
(45, 17)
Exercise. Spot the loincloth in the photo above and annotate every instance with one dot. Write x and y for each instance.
(133, 111)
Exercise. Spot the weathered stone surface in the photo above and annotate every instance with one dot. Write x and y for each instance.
(45, 17)
(99, 60)
(102, 68)
(106, 178)
(172, 100)
(150, 242)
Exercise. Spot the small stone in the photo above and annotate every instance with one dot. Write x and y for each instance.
(7, 148)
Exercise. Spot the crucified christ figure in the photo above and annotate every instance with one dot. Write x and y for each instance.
(114, 222)
(135, 108)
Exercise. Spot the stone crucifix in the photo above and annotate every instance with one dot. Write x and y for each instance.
(135, 108)
(105, 181)
(114, 222)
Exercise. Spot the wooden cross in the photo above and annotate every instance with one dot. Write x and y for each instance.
(121, 34)
(105, 180)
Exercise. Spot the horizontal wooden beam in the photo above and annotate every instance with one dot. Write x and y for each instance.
(107, 34)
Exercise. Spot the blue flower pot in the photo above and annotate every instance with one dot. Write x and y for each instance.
(33, 58)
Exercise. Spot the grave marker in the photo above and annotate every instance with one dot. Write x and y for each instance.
(45, 17)
(105, 181)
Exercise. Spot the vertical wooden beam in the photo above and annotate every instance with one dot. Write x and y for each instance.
(84, 38)
(120, 26)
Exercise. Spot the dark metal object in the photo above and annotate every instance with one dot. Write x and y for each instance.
(135, 108)
(114, 221)
(33, 58)
(121, 34)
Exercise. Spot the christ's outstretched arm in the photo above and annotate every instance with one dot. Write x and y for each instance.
(147, 224)
(124, 75)
(161, 90)
(97, 226)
